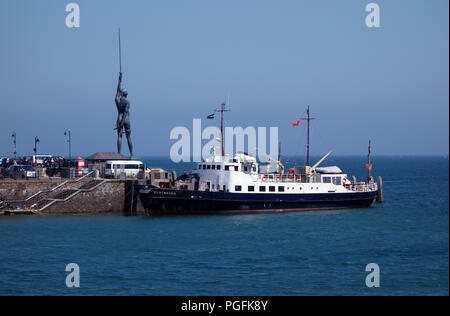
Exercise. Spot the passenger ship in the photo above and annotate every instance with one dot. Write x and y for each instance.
(234, 184)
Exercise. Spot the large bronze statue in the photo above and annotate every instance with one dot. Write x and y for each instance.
(123, 118)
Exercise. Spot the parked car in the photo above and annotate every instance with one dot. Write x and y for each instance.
(21, 172)
(4, 160)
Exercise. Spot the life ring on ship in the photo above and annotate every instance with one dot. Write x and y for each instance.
(359, 187)
(277, 178)
(264, 178)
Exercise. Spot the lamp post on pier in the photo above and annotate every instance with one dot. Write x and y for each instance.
(69, 140)
(36, 141)
(14, 136)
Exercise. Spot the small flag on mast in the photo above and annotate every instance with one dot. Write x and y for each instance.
(368, 166)
(296, 123)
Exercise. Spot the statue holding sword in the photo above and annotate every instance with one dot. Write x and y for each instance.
(123, 109)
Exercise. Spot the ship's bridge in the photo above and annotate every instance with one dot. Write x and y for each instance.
(219, 173)
(238, 162)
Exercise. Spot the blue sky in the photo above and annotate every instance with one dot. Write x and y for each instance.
(273, 58)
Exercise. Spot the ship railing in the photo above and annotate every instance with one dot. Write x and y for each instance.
(362, 187)
(300, 178)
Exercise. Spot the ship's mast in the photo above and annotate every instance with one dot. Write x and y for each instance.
(308, 118)
(369, 163)
(221, 110)
(307, 142)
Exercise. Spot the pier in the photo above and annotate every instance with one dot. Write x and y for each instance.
(86, 195)
(58, 189)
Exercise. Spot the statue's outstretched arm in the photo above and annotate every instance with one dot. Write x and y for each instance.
(118, 85)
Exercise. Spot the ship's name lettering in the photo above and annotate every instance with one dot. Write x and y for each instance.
(165, 193)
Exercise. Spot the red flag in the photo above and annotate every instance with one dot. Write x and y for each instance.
(296, 123)
(368, 166)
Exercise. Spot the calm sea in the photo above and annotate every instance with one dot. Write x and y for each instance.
(311, 253)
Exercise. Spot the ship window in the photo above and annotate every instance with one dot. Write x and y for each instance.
(280, 189)
(337, 180)
(234, 160)
(208, 167)
(204, 166)
(245, 169)
(238, 188)
(236, 168)
(218, 167)
(227, 168)
(251, 188)
(213, 167)
(271, 189)
(262, 189)
(326, 179)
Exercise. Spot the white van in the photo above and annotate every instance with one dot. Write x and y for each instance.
(130, 168)
(39, 159)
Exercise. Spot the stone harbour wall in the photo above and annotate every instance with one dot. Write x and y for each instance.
(107, 198)
(14, 190)
(110, 197)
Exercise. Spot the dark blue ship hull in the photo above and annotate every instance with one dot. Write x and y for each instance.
(159, 201)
